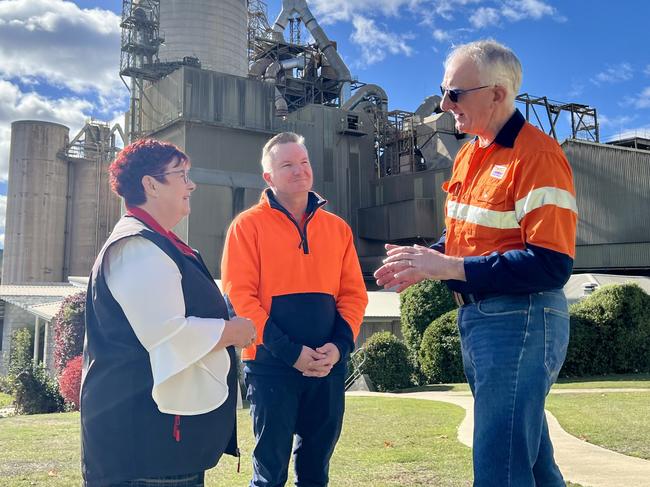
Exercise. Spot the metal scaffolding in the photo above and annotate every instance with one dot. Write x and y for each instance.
(258, 26)
(584, 120)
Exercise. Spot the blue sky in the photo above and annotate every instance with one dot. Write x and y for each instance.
(59, 59)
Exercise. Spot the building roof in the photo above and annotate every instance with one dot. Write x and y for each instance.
(41, 299)
(575, 288)
(383, 304)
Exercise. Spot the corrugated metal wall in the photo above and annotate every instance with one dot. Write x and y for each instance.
(613, 196)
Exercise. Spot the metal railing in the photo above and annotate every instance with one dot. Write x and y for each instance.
(357, 359)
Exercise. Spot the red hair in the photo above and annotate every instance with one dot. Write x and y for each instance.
(141, 158)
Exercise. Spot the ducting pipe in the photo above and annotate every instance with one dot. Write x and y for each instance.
(429, 106)
(289, 7)
(259, 67)
(270, 76)
(365, 94)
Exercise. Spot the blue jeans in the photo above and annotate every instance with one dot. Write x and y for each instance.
(513, 348)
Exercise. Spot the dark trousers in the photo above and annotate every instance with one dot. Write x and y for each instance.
(185, 480)
(284, 406)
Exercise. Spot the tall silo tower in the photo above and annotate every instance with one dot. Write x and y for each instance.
(93, 208)
(36, 203)
(214, 31)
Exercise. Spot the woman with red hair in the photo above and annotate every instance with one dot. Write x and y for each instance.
(159, 387)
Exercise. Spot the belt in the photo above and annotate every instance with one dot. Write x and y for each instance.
(469, 298)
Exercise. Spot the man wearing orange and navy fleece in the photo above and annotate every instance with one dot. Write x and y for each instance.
(509, 246)
(291, 267)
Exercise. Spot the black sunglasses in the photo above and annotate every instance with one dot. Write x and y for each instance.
(454, 94)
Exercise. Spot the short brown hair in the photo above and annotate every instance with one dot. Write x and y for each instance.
(281, 138)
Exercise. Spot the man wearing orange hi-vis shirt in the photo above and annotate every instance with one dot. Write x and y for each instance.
(506, 253)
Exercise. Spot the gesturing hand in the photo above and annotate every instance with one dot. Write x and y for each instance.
(406, 265)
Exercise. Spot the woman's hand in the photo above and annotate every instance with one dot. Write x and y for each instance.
(239, 332)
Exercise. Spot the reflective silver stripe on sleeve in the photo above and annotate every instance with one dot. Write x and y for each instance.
(545, 196)
(482, 216)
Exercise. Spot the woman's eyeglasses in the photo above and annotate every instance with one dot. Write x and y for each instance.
(185, 172)
(454, 94)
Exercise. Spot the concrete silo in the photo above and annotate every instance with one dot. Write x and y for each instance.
(36, 203)
(93, 208)
(216, 32)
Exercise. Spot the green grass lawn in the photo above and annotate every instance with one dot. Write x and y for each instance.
(5, 400)
(616, 421)
(385, 442)
(637, 381)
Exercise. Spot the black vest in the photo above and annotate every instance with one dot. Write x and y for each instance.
(123, 434)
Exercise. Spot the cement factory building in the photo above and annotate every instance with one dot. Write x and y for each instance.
(215, 78)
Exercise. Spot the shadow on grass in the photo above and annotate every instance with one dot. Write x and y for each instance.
(605, 378)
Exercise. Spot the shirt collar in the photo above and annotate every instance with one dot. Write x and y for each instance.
(314, 201)
(509, 132)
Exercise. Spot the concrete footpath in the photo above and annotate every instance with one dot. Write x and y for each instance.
(581, 462)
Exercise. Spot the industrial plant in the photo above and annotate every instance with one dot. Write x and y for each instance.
(218, 79)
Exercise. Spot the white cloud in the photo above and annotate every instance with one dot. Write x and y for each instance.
(484, 17)
(441, 35)
(447, 8)
(642, 100)
(16, 105)
(331, 11)
(614, 74)
(516, 10)
(618, 121)
(55, 40)
(375, 43)
(512, 11)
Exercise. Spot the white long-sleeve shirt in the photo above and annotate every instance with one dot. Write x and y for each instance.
(189, 377)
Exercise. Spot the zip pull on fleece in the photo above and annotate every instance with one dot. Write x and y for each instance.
(176, 432)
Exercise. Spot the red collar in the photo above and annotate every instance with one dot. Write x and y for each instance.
(151, 222)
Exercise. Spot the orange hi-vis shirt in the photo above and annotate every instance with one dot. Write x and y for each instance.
(518, 190)
(298, 288)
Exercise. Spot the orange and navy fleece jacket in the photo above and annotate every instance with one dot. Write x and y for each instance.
(511, 212)
(299, 286)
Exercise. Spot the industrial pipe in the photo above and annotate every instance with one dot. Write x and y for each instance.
(289, 7)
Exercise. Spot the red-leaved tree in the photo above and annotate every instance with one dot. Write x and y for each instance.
(70, 383)
(69, 330)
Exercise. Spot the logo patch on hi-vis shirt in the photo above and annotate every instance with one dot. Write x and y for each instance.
(498, 171)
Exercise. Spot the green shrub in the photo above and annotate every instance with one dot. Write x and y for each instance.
(387, 362)
(610, 332)
(35, 392)
(21, 352)
(420, 305)
(440, 357)
(69, 330)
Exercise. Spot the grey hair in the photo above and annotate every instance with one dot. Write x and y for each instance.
(281, 138)
(497, 64)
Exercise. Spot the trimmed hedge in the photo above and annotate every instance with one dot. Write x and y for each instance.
(35, 392)
(69, 330)
(387, 362)
(610, 333)
(420, 304)
(440, 357)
